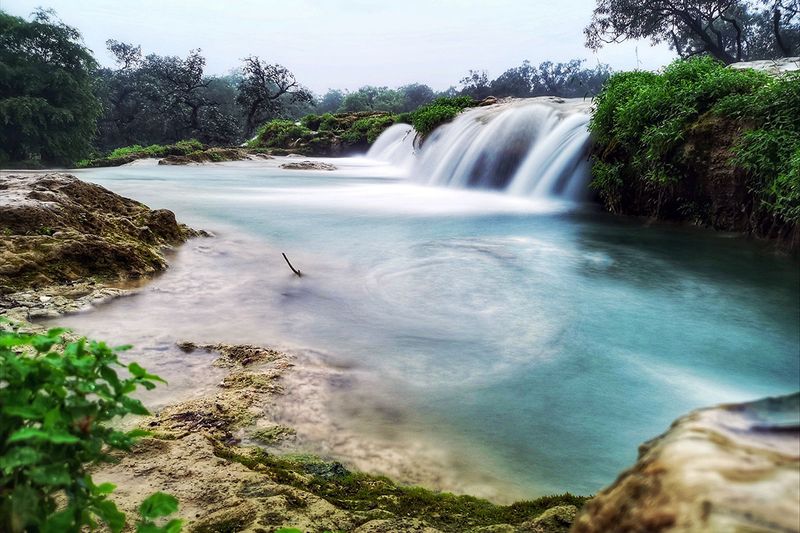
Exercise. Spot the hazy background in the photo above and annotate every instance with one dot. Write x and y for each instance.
(346, 44)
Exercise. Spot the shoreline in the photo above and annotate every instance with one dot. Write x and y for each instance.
(220, 432)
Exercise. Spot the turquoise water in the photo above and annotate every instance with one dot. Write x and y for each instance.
(543, 342)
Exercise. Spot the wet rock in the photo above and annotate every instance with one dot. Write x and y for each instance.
(56, 229)
(489, 100)
(729, 468)
(308, 165)
(557, 519)
(394, 525)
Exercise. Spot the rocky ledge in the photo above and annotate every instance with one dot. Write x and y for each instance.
(222, 455)
(308, 165)
(65, 239)
(729, 468)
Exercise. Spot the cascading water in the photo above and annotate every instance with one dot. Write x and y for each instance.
(534, 147)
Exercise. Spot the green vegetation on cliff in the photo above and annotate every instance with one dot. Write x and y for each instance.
(429, 117)
(323, 135)
(341, 133)
(704, 143)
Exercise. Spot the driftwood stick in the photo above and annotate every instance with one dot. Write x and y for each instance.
(297, 272)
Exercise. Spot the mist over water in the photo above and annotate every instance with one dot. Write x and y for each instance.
(533, 341)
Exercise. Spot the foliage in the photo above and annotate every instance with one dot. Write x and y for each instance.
(281, 133)
(56, 405)
(162, 99)
(427, 118)
(370, 98)
(155, 507)
(261, 88)
(728, 30)
(367, 130)
(643, 121)
(47, 108)
(126, 154)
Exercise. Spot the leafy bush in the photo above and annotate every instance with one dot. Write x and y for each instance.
(367, 130)
(279, 133)
(56, 399)
(429, 117)
(126, 154)
(642, 122)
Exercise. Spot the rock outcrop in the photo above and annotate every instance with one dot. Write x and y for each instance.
(211, 155)
(210, 452)
(57, 229)
(308, 165)
(729, 468)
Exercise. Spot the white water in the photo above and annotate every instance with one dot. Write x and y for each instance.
(534, 148)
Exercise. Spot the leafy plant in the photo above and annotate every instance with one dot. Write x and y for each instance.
(56, 399)
(429, 117)
(643, 122)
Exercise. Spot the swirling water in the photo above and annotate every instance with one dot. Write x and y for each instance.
(530, 338)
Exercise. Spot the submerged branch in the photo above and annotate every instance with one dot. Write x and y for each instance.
(297, 272)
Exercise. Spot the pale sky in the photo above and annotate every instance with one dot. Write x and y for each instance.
(345, 44)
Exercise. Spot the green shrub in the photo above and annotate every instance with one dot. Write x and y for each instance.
(367, 130)
(279, 133)
(311, 121)
(57, 398)
(429, 117)
(642, 120)
(125, 151)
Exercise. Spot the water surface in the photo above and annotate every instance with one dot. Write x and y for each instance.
(534, 340)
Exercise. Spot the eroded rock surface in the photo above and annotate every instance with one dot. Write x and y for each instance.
(308, 165)
(729, 468)
(55, 228)
(202, 451)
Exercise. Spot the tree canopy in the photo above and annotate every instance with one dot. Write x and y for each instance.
(729, 30)
(47, 108)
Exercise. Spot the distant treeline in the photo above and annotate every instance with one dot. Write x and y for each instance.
(57, 105)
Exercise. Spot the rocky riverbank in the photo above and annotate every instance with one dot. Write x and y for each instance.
(68, 245)
(65, 243)
(218, 455)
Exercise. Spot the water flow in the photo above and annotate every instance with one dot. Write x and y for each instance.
(536, 148)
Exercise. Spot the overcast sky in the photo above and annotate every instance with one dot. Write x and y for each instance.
(349, 43)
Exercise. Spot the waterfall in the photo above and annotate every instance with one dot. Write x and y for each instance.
(535, 147)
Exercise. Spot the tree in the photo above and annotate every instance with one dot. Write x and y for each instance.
(47, 107)
(330, 101)
(729, 30)
(260, 90)
(164, 99)
(476, 84)
(416, 95)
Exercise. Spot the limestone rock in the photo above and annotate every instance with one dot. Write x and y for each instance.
(308, 165)
(729, 468)
(771, 66)
(56, 229)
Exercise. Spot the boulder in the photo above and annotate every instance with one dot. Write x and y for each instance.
(55, 228)
(308, 165)
(728, 468)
